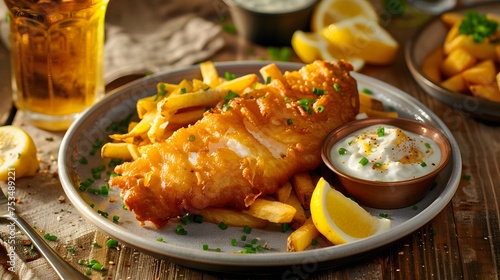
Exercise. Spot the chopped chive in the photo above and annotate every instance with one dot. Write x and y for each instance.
(414, 207)
(218, 250)
(50, 237)
(112, 243)
(318, 91)
(229, 76)
(159, 239)
(321, 109)
(363, 161)
(380, 131)
(377, 165)
(254, 241)
(183, 90)
(243, 238)
(289, 121)
(285, 227)
(83, 160)
(180, 230)
(466, 177)
(342, 151)
(247, 229)
(336, 87)
(314, 242)
(124, 207)
(427, 145)
(98, 267)
(95, 244)
(186, 219)
(233, 242)
(198, 219)
(205, 247)
(423, 164)
(116, 218)
(223, 225)
(367, 91)
(71, 250)
(191, 138)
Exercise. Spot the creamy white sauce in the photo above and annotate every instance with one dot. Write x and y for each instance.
(394, 156)
(268, 6)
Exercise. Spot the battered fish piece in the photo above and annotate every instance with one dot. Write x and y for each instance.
(243, 149)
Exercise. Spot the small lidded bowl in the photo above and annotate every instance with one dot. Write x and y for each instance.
(386, 163)
(270, 22)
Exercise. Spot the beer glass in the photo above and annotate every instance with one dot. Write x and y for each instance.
(57, 58)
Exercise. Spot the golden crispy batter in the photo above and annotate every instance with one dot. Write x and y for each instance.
(232, 156)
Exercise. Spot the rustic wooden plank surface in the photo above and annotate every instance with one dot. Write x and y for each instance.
(461, 242)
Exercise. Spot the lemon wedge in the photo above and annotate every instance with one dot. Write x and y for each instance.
(332, 11)
(17, 153)
(367, 40)
(311, 46)
(340, 219)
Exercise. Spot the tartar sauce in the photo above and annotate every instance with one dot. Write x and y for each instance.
(270, 6)
(385, 153)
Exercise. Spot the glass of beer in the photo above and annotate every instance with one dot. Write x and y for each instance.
(57, 58)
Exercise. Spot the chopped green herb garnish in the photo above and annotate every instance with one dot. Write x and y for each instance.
(363, 161)
(71, 250)
(229, 76)
(180, 230)
(321, 109)
(124, 207)
(285, 227)
(466, 177)
(243, 238)
(229, 28)
(478, 26)
(95, 244)
(314, 242)
(116, 218)
(336, 87)
(159, 239)
(112, 243)
(367, 91)
(205, 247)
(380, 131)
(377, 165)
(280, 54)
(342, 151)
(83, 160)
(427, 145)
(223, 225)
(50, 237)
(414, 207)
(289, 121)
(268, 80)
(191, 138)
(423, 164)
(247, 229)
(198, 219)
(383, 215)
(318, 91)
(233, 242)
(183, 90)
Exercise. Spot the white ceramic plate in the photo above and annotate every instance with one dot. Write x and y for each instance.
(429, 37)
(188, 249)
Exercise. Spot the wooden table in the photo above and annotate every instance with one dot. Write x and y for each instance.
(461, 242)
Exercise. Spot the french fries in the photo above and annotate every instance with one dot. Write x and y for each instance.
(301, 238)
(231, 218)
(463, 65)
(273, 211)
(178, 105)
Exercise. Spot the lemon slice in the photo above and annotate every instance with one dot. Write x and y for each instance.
(367, 40)
(332, 11)
(340, 219)
(311, 46)
(17, 153)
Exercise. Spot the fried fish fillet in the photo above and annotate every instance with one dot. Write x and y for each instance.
(242, 150)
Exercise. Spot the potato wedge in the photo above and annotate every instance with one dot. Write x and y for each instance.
(430, 65)
(490, 92)
(457, 61)
(482, 73)
(455, 83)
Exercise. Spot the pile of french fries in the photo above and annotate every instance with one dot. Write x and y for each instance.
(464, 66)
(182, 104)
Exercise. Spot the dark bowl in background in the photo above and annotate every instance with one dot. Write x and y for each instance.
(270, 28)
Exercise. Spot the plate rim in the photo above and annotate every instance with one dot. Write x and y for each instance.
(215, 261)
(489, 110)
